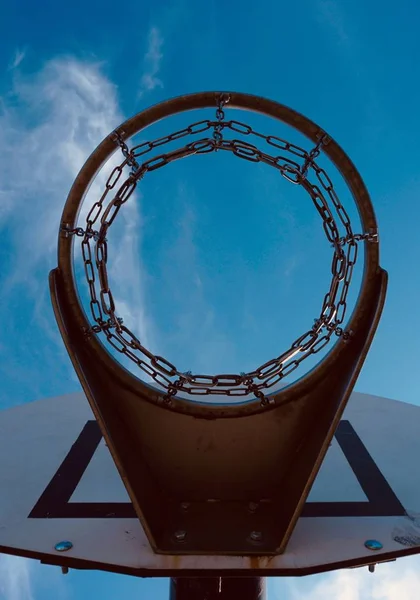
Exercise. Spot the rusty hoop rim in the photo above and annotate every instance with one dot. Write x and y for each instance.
(150, 116)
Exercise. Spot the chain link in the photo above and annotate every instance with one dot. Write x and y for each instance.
(220, 116)
(67, 231)
(314, 153)
(296, 165)
(130, 159)
(370, 236)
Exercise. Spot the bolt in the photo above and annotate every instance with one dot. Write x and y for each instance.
(63, 546)
(180, 535)
(252, 506)
(256, 536)
(185, 505)
(373, 545)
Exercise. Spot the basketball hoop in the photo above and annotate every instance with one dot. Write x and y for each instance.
(218, 459)
(295, 164)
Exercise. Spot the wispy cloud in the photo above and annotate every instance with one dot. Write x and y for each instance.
(53, 122)
(391, 581)
(356, 57)
(17, 59)
(15, 578)
(330, 13)
(71, 107)
(128, 273)
(291, 264)
(152, 62)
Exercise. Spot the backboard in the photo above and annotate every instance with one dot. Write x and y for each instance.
(59, 484)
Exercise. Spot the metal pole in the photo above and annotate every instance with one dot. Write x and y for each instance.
(218, 588)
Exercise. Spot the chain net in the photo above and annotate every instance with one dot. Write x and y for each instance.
(297, 166)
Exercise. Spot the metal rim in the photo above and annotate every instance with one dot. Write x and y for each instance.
(146, 118)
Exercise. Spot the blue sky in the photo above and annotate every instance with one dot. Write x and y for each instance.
(217, 263)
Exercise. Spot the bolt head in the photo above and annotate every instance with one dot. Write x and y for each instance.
(63, 546)
(180, 535)
(373, 545)
(256, 536)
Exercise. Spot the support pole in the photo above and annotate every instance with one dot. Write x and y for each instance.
(218, 588)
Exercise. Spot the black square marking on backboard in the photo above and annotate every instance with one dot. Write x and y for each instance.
(54, 502)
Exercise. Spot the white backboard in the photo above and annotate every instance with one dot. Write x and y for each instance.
(58, 483)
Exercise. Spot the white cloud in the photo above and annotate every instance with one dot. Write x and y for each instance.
(17, 59)
(15, 578)
(48, 128)
(152, 62)
(56, 119)
(128, 274)
(391, 581)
